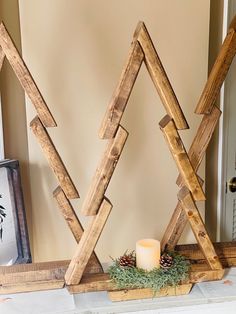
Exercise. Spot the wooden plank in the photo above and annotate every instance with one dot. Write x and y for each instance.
(174, 229)
(87, 244)
(198, 228)
(137, 294)
(53, 158)
(2, 57)
(122, 92)
(32, 286)
(217, 74)
(224, 250)
(159, 77)
(180, 156)
(43, 271)
(72, 220)
(197, 151)
(25, 78)
(104, 173)
(102, 282)
(201, 140)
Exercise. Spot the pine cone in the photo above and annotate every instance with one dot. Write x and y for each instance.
(166, 261)
(127, 260)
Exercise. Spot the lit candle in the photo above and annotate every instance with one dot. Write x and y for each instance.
(148, 254)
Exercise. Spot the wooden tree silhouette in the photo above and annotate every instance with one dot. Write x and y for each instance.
(84, 273)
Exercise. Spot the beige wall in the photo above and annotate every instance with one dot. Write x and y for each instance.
(75, 50)
(13, 105)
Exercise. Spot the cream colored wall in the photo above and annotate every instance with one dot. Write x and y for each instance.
(76, 50)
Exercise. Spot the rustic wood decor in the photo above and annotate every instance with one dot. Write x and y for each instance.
(84, 273)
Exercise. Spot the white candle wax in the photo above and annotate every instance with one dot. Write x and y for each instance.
(148, 254)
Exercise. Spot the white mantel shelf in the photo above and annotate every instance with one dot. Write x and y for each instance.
(205, 298)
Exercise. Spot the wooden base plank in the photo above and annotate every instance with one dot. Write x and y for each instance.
(134, 294)
(32, 286)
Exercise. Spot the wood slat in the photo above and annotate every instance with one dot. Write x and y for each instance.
(122, 92)
(224, 250)
(159, 77)
(87, 244)
(181, 158)
(201, 140)
(196, 153)
(104, 172)
(102, 282)
(25, 78)
(73, 222)
(198, 228)
(53, 158)
(217, 74)
(137, 294)
(2, 57)
(44, 271)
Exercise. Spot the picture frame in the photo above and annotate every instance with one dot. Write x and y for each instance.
(14, 239)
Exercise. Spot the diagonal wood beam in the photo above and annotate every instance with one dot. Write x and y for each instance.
(122, 92)
(2, 57)
(25, 78)
(218, 74)
(87, 244)
(53, 158)
(198, 228)
(73, 222)
(104, 173)
(180, 156)
(196, 152)
(159, 77)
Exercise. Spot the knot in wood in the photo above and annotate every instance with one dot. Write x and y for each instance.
(201, 234)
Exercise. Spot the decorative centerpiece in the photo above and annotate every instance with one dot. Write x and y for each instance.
(148, 269)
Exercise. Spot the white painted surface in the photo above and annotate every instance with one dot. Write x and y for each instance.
(205, 298)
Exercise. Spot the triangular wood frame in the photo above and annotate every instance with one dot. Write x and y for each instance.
(85, 272)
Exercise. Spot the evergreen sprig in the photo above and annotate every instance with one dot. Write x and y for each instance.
(156, 279)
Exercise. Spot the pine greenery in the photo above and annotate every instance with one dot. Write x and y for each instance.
(132, 277)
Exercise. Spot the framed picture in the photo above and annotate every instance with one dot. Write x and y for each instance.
(14, 240)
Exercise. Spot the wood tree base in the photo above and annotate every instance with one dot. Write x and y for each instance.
(134, 294)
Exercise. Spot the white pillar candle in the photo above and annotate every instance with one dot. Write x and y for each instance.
(148, 254)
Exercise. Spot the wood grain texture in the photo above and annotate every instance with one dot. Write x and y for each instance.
(217, 74)
(87, 244)
(174, 229)
(2, 57)
(159, 77)
(181, 158)
(196, 153)
(53, 158)
(201, 140)
(122, 92)
(104, 173)
(198, 228)
(43, 271)
(102, 282)
(32, 286)
(73, 222)
(137, 294)
(25, 78)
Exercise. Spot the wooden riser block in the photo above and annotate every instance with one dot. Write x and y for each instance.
(25, 78)
(136, 294)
